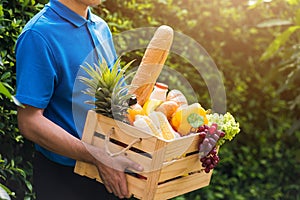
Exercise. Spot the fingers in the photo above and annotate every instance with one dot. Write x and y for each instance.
(106, 183)
(136, 166)
(120, 181)
(113, 176)
(123, 186)
(114, 181)
(112, 186)
(127, 163)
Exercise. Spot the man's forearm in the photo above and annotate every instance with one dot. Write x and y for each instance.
(35, 127)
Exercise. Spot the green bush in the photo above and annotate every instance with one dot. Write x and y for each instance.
(262, 161)
(16, 153)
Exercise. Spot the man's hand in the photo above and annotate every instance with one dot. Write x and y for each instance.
(111, 170)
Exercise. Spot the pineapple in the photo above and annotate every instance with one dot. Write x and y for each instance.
(108, 88)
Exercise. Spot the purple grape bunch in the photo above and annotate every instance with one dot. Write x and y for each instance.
(209, 137)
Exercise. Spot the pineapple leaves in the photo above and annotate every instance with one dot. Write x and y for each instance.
(122, 71)
(94, 73)
(108, 87)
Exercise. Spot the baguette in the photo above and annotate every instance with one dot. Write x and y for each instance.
(152, 64)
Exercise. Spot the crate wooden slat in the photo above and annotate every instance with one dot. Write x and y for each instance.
(184, 145)
(182, 185)
(135, 185)
(171, 168)
(180, 167)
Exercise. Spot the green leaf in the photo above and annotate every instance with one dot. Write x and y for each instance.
(297, 17)
(293, 2)
(1, 14)
(4, 91)
(278, 42)
(5, 75)
(274, 22)
(195, 120)
(29, 185)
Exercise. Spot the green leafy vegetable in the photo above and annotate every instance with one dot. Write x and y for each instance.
(226, 123)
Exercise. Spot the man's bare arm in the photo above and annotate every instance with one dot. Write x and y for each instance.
(37, 128)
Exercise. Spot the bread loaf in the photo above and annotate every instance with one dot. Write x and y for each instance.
(168, 108)
(152, 63)
(178, 97)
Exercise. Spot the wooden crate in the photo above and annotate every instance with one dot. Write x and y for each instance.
(171, 168)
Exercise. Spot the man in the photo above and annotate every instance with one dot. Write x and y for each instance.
(49, 52)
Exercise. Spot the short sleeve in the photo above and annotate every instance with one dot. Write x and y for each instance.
(35, 69)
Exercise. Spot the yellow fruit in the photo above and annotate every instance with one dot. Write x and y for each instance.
(205, 120)
(151, 105)
(133, 112)
(201, 110)
(176, 119)
(179, 120)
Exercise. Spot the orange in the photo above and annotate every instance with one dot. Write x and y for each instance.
(133, 112)
(179, 119)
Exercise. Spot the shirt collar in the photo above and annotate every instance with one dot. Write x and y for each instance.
(69, 15)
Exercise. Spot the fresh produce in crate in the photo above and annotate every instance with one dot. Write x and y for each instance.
(208, 145)
(174, 115)
(176, 142)
(180, 118)
(213, 129)
(226, 123)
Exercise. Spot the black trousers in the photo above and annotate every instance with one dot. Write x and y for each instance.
(53, 181)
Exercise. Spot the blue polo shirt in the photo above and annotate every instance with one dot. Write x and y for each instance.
(49, 52)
